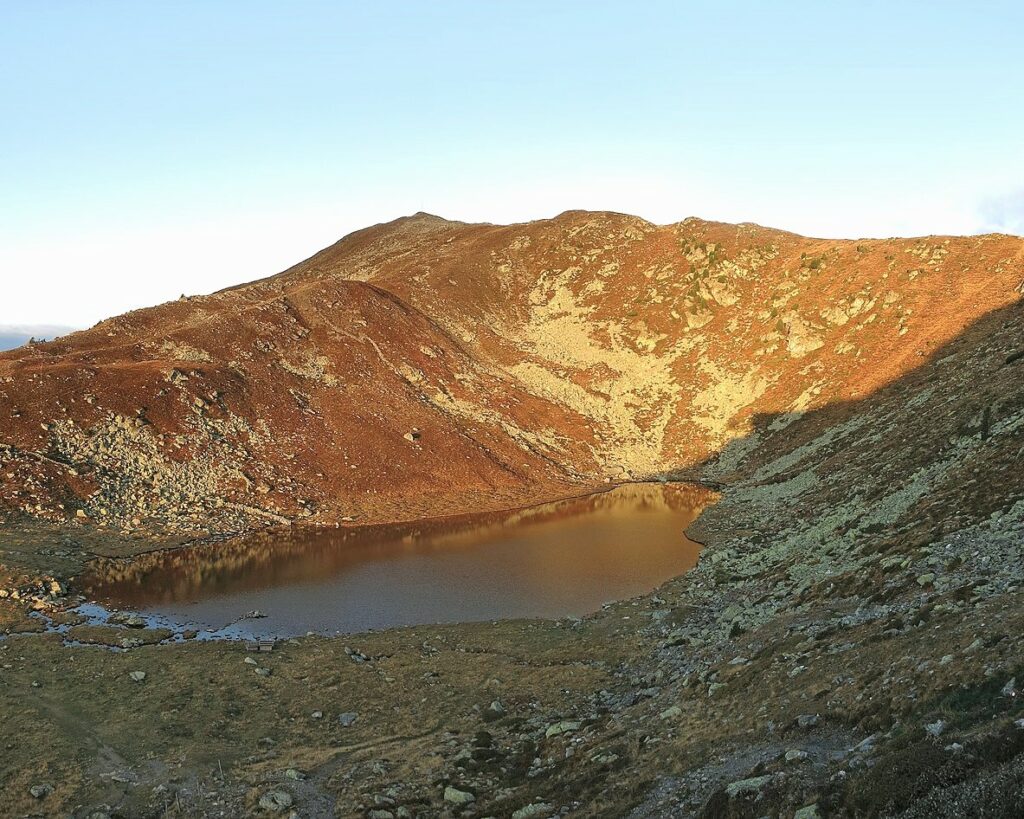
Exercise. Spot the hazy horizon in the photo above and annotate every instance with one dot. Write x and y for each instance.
(13, 335)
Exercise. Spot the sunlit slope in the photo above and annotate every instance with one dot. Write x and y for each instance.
(424, 367)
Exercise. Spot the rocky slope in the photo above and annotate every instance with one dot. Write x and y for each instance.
(427, 366)
(849, 643)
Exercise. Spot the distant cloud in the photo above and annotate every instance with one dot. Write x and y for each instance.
(14, 335)
(37, 330)
(1003, 214)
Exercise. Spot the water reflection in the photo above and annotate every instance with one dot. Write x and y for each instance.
(552, 560)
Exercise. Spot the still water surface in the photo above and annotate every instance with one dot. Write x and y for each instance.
(555, 560)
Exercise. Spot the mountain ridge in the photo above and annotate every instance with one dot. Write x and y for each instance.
(519, 361)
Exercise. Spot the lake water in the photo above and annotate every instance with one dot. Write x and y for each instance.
(559, 559)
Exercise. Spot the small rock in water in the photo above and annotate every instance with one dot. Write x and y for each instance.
(347, 719)
(41, 791)
(138, 676)
(276, 801)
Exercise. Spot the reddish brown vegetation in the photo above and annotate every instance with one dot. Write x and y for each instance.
(425, 366)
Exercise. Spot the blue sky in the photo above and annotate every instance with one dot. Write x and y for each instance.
(150, 149)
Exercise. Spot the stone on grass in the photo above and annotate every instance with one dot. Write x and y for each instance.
(276, 801)
(745, 787)
(458, 797)
(566, 726)
(672, 712)
(494, 711)
(538, 810)
(807, 720)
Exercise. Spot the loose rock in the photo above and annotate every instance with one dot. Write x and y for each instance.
(563, 727)
(747, 786)
(534, 811)
(458, 797)
(276, 801)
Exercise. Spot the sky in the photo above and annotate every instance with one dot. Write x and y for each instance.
(153, 149)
